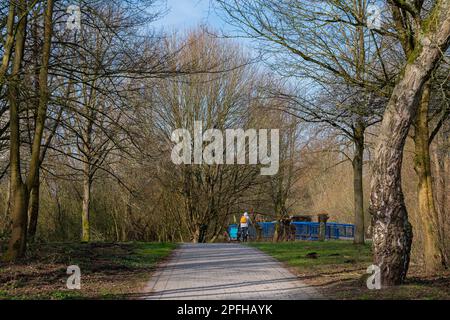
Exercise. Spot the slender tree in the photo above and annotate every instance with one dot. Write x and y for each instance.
(20, 190)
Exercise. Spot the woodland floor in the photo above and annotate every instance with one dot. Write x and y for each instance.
(108, 270)
(337, 269)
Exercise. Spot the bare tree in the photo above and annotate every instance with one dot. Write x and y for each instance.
(327, 45)
(20, 190)
(304, 34)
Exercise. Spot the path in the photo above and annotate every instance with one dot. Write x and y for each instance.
(228, 272)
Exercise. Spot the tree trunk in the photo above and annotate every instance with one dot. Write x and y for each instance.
(441, 152)
(392, 232)
(7, 208)
(196, 235)
(433, 253)
(19, 205)
(358, 190)
(41, 116)
(19, 192)
(33, 209)
(86, 204)
(279, 215)
(7, 50)
(276, 232)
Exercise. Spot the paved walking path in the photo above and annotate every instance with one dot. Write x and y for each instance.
(225, 271)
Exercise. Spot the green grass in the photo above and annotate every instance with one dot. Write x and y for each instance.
(317, 256)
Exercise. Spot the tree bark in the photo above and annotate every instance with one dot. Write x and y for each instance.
(86, 204)
(433, 253)
(441, 153)
(19, 205)
(8, 43)
(276, 232)
(35, 161)
(392, 232)
(196, 234)
(19, 192)
(358, 190)
(33, 209)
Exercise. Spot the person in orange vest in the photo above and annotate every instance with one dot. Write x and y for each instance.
(244, 223)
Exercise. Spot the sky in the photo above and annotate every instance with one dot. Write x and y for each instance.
(187, 14)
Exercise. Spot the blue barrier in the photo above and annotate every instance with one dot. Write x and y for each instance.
(310, 230)
(268, 229)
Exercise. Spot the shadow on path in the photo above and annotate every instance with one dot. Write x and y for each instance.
(225, 271)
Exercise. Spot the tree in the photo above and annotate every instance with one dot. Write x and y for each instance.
(309, 34)
(434, 251)
(31, 115)
(326, 42)
(20, 190)
(219, 99)
(103, 63)
(392, 231)
(349, 112)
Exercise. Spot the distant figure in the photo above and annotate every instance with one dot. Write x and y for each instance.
(244, 224)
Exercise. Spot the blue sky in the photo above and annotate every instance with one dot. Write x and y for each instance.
(187, 14)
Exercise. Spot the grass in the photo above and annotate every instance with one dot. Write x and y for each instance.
(318, 256)
(338, 270)
(108, 270)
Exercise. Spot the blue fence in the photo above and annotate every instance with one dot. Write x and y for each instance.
(310, 230)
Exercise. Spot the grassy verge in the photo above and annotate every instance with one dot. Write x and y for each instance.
(338, 270)
(108, 270)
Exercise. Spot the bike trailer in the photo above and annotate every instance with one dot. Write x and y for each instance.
(233, 231)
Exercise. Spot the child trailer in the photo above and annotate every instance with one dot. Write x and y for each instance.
(233, 232)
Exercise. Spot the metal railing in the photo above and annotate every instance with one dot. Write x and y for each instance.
(310, 230)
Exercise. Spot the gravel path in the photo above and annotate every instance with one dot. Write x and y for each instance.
(225, 272)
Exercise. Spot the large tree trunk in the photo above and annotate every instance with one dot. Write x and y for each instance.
(358, 190)
(392, 232)
(19, 206)
(433, 253)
